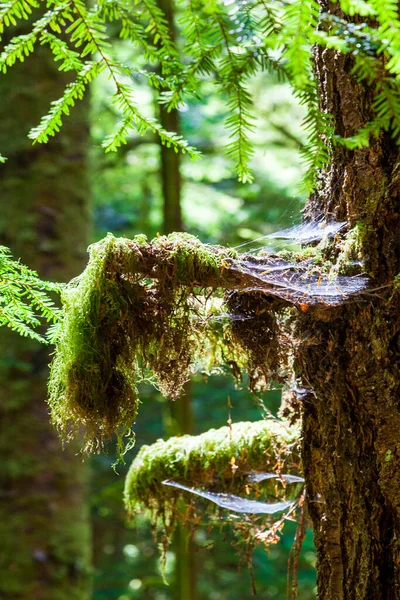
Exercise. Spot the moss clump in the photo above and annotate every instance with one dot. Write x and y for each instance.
(206, 459)
(93, 378)
(129, 312)
(193, 260)
(258, 332)
(219, 460)
(142, 309)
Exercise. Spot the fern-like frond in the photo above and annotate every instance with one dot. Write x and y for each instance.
(118, 10)
(188, 82)
(21, 46)
(320, 130)
(158, 27)
(234, 70)
(51, 123)
(357, 7)
(271, 21)
(227, 41)
(240, 123)
(300, 23)
(11, 12)
(362, 138)
(24, 300)
(87, 32)
(132, 118)
(68, 59)
(387, 15)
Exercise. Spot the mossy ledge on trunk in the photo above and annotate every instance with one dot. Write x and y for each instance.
(241, 459)
(168, 307)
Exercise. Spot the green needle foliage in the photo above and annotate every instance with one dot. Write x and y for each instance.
(24, 301)
(227, 42)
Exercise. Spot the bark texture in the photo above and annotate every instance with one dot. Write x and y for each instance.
(350, 364)
(44, 521)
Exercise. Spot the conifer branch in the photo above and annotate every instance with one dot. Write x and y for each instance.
(21, 46)
(228, 44)
(24, 300)
(11, 12)
(233, 72)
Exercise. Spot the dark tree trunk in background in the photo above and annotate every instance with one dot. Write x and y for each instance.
(44, 522)
(180, 418)
(349, 361)
(171, 177)
(171, 182)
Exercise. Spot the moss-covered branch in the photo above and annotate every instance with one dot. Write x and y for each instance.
(234, 463)
(219, 459)
(158, 309)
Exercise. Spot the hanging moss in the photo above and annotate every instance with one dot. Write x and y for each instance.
(218, 461)
(156, 309)
(93, 377)
(259, 334)
(120, 322)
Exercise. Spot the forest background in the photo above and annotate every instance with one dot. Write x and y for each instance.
(219, 210)
(344, 368)
(124, 193)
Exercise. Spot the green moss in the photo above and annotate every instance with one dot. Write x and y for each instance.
(193, 260)
(218, 460)
(140, 239)
(142, 309)
(92, 378)
(388, 455)
(354, 246)
(118, 324)
(206, 459)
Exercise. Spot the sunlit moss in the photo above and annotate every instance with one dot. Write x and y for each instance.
(135, 310)
(219, 461)
(166, 308)
(93, 379)
(219, 458)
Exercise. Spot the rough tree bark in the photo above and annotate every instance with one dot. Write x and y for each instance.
(350, 364)
(44, 521)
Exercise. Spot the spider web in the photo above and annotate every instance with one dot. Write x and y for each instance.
(233, 502)
(301, 281)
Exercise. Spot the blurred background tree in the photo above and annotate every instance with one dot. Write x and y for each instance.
(45, 539)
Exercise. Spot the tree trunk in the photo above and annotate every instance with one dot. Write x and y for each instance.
(180, 416)
(171, 181)
(349, 362)
(44, 520)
